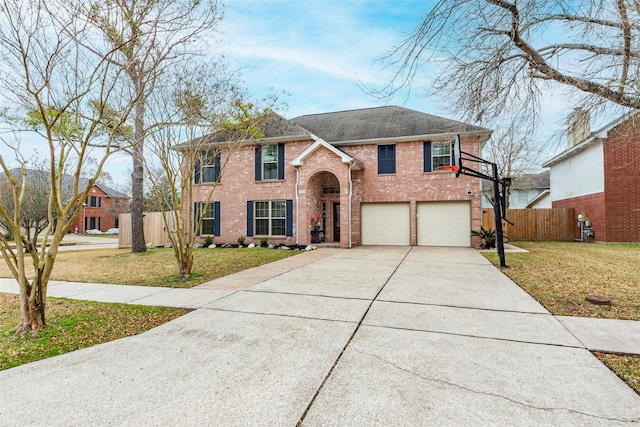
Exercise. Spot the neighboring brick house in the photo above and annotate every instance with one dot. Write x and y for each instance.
(370, 175)
(599, 174)
(101, 209)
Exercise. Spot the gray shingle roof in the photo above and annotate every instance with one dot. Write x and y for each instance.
(379, 122)
(274, 126)
(538, 180)
(67, 182)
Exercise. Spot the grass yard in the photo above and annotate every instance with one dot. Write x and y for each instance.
(560, 275)
(155, 267)
(73, 325)
(626, 367)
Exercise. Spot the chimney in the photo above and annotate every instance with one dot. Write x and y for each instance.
(578, 126)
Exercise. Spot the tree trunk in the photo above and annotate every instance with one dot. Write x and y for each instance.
(32, 310)
(186, 264)
(137, 181)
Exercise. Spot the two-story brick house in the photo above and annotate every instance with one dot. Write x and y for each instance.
(369, 177)
(100, 209)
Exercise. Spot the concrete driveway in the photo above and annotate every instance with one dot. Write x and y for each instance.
(368, 336)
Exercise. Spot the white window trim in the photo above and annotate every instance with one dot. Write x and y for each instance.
(270, 218)
(204, 218)
(433, 157)
(262, 162)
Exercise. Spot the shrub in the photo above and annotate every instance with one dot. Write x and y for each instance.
(241, 240)
(487, 237)
(264, 242)
(208, 241)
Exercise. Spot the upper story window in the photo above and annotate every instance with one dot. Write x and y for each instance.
(94, 202)
(208, 167)
(436, 154)
(386, 159)
(441, 153)
(269, 164)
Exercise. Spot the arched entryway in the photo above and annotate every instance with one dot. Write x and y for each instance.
(323, 201)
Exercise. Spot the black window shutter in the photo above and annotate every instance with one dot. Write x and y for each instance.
(258, 163)
(281, 161)
(249, 217)
(216, 218)
(196, 172)
(386, 159)
(216, 168)
(392, 158)
(289, 218)
(427, 156)
(196, 218)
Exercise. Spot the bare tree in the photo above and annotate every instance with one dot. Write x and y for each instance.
(61, 89)
(206, 110)
(151, 37)
(495, 56)
(515, 153)
(513, 150)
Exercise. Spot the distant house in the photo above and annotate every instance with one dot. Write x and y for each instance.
(100, 209)
(367, 177)
(526, 188)
(522, 191)
(599, 175)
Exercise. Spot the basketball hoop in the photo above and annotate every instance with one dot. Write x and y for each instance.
(448, 168)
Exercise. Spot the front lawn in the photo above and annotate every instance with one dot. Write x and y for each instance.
(561, 274)
(155, 267)
(73, 325)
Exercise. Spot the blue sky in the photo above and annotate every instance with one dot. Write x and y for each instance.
(320, 52)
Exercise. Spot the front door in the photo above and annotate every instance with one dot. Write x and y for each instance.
(336, 222)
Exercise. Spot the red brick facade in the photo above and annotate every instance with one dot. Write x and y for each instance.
(323, 169)
(593, 206)
(100, 211)
(622, 182)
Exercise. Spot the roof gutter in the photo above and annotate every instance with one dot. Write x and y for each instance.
(353, 163)
(297, 210)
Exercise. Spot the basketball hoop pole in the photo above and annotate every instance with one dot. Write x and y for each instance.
(499, 191)
(497, 208)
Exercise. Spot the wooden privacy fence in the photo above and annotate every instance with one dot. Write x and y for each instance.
(154, 229)
(536, 224)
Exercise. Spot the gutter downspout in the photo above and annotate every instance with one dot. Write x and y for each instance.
(297, 230)
(350, 198)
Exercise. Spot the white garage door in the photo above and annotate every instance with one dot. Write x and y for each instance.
(385, 224)
(444, 224)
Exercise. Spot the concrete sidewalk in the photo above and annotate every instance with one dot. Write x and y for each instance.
(368, 336)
